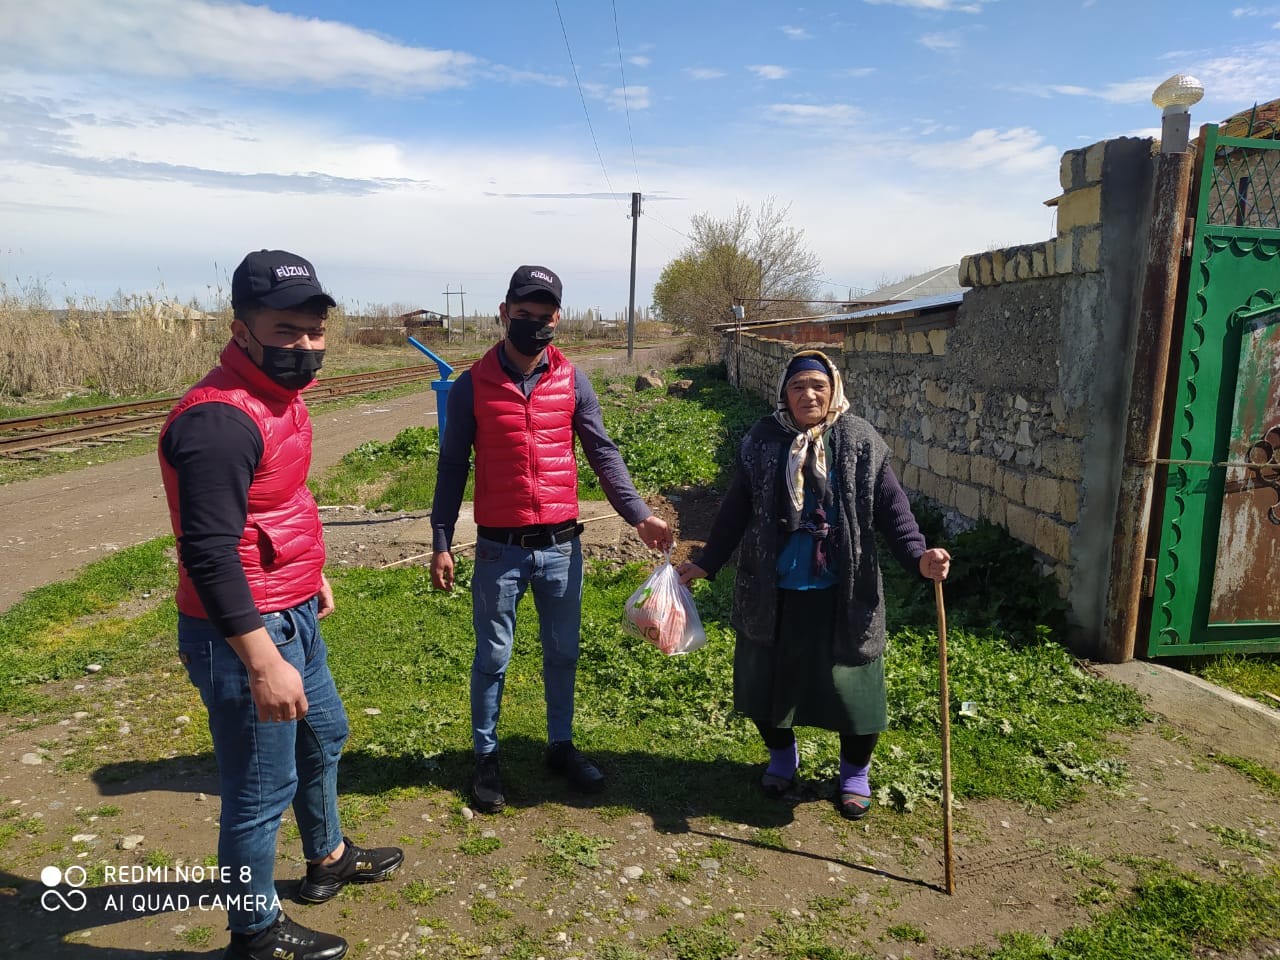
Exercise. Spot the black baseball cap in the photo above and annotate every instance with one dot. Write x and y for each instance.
(276, 279)
(529, 280)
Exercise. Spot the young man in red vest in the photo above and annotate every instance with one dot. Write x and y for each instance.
(234, 455)
(520, 407)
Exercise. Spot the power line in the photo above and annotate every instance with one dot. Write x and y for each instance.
(659, 220)
(583, 97)
(626, 105)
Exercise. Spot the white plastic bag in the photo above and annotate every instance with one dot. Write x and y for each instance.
(662, 611)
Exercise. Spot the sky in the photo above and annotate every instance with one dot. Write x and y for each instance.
(409, 147)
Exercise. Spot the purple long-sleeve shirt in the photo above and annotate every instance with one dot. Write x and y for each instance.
(588, 425)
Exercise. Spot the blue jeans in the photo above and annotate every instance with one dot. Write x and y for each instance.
(502, 574)
(265, 766)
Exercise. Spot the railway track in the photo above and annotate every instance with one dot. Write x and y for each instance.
(64, 432)
(37, 435)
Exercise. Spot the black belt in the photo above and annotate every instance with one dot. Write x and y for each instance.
(535, 537)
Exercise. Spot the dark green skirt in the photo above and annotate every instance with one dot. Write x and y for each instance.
(797, 683)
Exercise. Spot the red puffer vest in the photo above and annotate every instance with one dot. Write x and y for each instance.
(526, 473)
(282, 547)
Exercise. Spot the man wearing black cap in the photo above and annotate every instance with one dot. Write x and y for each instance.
(520, 407)
(234, 455)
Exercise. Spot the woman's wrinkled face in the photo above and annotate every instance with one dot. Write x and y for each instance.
(808, 396)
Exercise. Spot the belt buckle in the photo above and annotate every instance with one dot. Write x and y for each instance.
(527, 537)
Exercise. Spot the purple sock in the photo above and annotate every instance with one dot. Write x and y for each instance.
(854, 779)
(784, 762)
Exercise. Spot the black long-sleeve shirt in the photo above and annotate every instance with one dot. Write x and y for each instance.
(588, 424)
(215, 449)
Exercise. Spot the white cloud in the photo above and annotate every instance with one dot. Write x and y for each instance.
(854, 72)
(768, 71)
(633, 98)
(797, 33)
(940, 41)
(939, 6)
(639, 61)
(233, 41)
(1127, 91)
(1019, 150)
(703, 73)
(808, 114)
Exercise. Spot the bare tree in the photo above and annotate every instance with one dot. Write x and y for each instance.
(754, 258)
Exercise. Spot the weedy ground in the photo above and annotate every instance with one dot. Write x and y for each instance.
(1084, 827)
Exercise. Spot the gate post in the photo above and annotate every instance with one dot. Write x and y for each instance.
(1156, 314)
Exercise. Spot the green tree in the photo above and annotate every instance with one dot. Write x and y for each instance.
(754, 258)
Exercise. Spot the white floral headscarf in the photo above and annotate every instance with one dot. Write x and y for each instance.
(807, 446)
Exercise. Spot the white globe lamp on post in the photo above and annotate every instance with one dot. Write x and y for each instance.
(1175, 98)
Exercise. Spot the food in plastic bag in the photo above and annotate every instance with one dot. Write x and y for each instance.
(662, 611)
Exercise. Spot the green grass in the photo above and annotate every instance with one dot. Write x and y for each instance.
(1172, 916)
(1266, 778)
(1250, 675)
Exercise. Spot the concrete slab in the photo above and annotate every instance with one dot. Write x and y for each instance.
(1218, 720)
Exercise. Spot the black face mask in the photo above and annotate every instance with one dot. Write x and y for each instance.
(290, 367)
(530, 337)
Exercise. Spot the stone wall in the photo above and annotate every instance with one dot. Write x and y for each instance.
(1011, 409)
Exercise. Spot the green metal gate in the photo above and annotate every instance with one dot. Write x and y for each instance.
(1216, 586)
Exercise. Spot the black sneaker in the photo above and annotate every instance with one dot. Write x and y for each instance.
(356, 865)
(284, 938)
(486, 786)
(583, 775)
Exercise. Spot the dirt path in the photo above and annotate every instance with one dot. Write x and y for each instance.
(55, 525)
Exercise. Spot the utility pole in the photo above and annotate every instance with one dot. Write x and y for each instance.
(448, 327)
(631, 300)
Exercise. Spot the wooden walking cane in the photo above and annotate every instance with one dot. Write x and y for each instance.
(945, 697)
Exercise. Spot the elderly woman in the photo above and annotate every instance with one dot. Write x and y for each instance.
(813, 485)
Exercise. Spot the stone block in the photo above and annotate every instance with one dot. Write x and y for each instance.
(884, 342)
(1023, 264)
(1012, 485)
(1021, 523)
(1062, 254)
(929, 483)
(919, 343)
(920, 455)
(1037, 262)
(1053, 539)
(1066, 170)
(1062, 574)
(938, 342)
(968, 500)
(982, 471)
(968, 273)
(911, 477)
(938, 461)
(1090, 259)
(1042, 494)
(1062, 459)
(994, 507)
(1011, 270)
(901, 447)
(934, 395)
(1093, 162)
(860, 340)
(1079, 208)
(997, 265)
(1069, 502)
(1050, 258)
(959, 466)
(899, 343)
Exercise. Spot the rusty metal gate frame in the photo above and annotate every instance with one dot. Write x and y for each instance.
(1236, 243)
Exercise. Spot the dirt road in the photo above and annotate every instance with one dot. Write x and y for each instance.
(55, 525)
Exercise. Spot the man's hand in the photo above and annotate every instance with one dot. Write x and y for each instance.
(935, 564)
(275, 684)
(655, 533)
(690, 571)
(325, 606)
(442, 570)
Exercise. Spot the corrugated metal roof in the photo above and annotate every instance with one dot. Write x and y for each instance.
(919, 305)
(928, 284)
